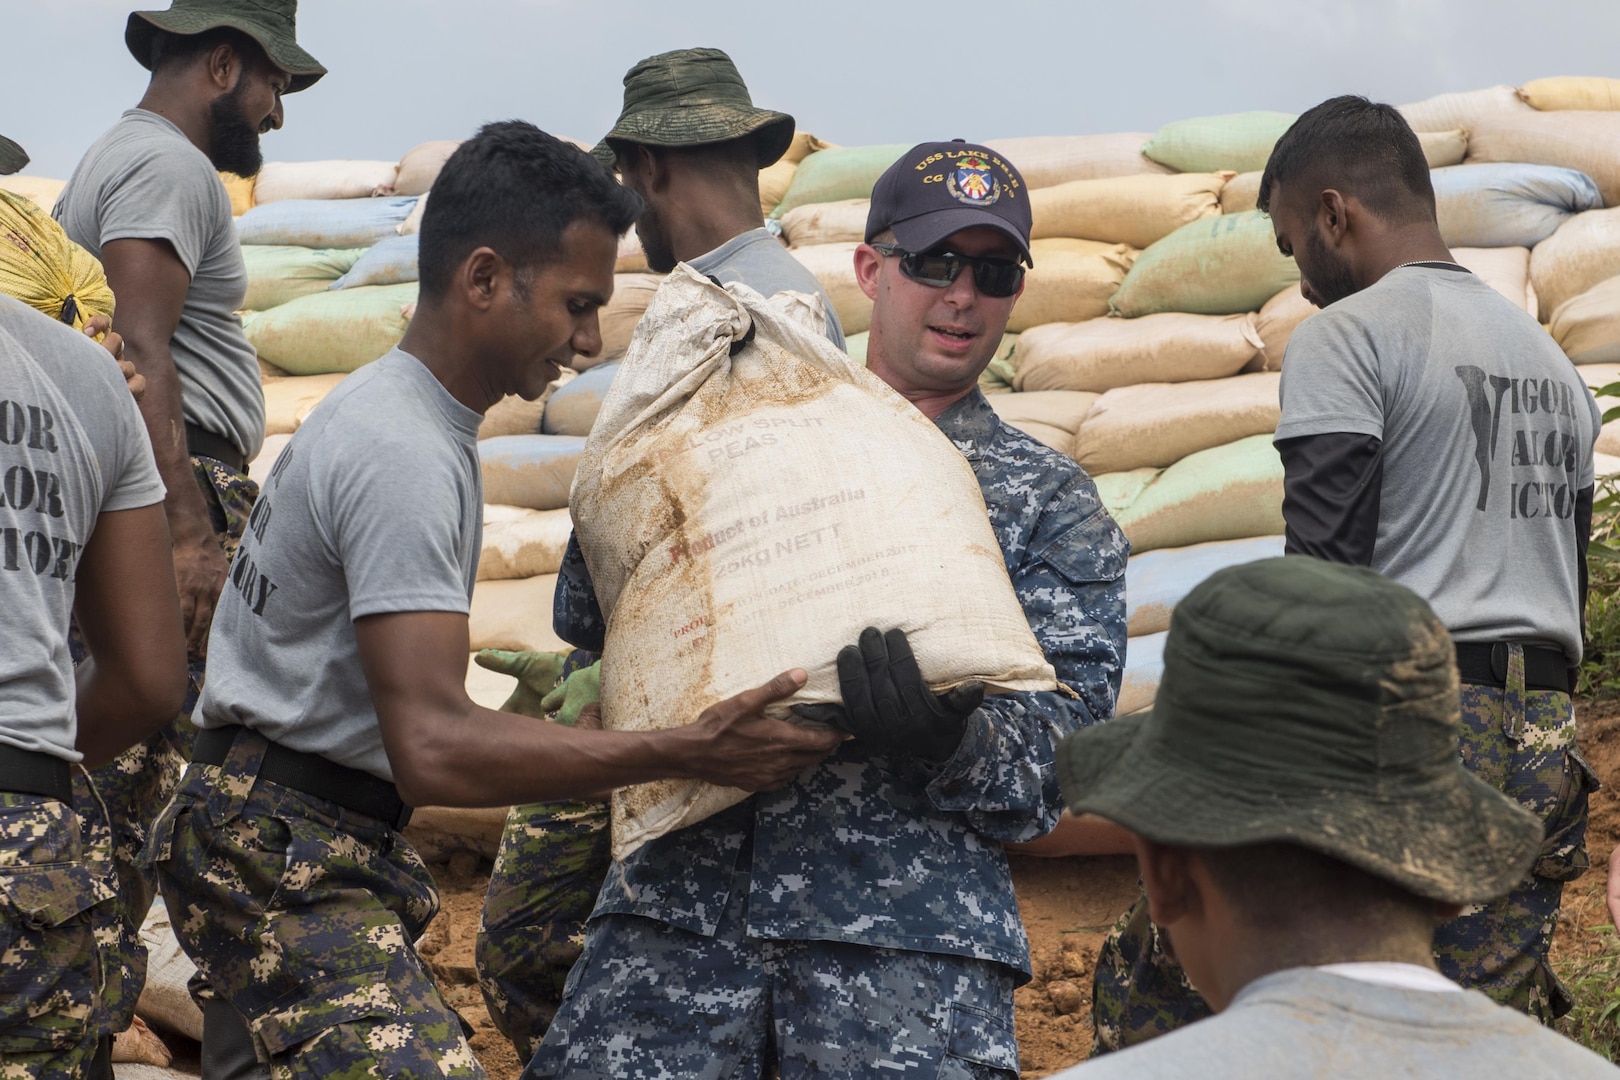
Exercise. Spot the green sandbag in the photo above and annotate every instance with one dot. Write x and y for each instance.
(1213, 266)
(1229, 492)
(841, 172)
(1240, 142)
(329, 332)
(278, 273)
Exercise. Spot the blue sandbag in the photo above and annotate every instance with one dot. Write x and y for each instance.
(1508, 205)
(324, 223)
(390, 261)
(535, 471)
(1156, 581)
(573, 408)
(1144, 667)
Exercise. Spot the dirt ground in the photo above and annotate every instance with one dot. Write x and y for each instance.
(1068, 906)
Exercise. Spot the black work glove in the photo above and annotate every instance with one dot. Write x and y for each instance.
(887, 704)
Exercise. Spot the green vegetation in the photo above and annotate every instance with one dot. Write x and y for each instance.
(1600, 670)
(1594, 1022)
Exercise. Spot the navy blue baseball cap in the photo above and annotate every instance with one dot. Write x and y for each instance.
(940, 188)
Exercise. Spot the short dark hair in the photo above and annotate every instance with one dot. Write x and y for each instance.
(515, 189)
(1362, 148)
(171, 50)
(1288, 886)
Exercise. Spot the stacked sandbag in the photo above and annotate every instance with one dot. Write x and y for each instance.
(840, 222)
(618, 318)
(1583, 252)
(1071, 280)
(240, 189)
(1225, 493)
(1587, 326)
(1214, 266)
(514, 415)
(282, 180)
(514, 614)
(288, 400)
(840, 172)
(278, 273)
(533, 471)
(1052, 417)
(522, 543)
(834, 268)
(1159, 424)
(1049, 160)
(1440, 149)
(1276, 322)
(775, 179)
(421, 164)
(1239, 142)
(329, 331)
(572, 409)
(1447, 112)
(390, 261)
(1157, 581)
(1133, 210)
(330, 223)
(1490, 206)
(1101, 354)
(1586, 141)
(1505, 269)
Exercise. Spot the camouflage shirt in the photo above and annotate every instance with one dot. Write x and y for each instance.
(891, 852)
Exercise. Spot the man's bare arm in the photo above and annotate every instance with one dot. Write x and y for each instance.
(135, 678)
(447, 751)
(150, 282)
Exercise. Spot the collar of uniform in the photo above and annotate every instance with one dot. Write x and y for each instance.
(970, 423)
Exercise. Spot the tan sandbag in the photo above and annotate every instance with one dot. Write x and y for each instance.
(731, 533)
(1158, 424)
(280, 180)
(514, 416)
(632, 258)
(522, 543)
(1507, 270)
(1241, 193)
(842, 222)
(413, 221)
(834, 267)
(1582, 253)
(259, 468)
(165, 1000)
(1276, 322)
(803, 145)
(1070, 282)
(1447, 112)
(240, 189)
(1587, 327)
(1134, 210)
(1051, 416)
(535, 471)
(1144, 668)
(288, 401)
(1584, 93)
(488, 689)
(438, 832)
(1049, 160)
(40, 190)
(619, 317)
(1588, 142)
(1100, 354)
(1225, 493)
(1440, 149)
(514, 613)
(774, 181)
(139, 1044)
(421, 165)
(1604, 465)
(1118, 490)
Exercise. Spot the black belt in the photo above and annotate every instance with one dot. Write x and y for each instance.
(313, 775)
(1486, 665)
(201, 443)
(29, 772)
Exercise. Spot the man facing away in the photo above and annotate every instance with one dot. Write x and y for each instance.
(1430, 430)
(336, 698)
(862, 918)
(82, 533)
(691, 143)
(147, 201)
(1303, 822)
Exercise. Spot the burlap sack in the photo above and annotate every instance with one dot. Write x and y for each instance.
(1447, 112)
(421, 165)
(1225, 493)
(522, 543)
(1134, 210)
(288, 401)
(1158, 424)
(1585, 93)
(1582, 253)
(1505, 269)
(1049, 160)
(732, 533)
(1587, 327)
(533, 471)
(514, 614)
(842, 222)
(1070, 282)
(1214, 266)
(1100, 354)
(1585, 141)
(618, 318)
(1051, 416)
(1276, 323)
(282, 180)
(1156, 581)
(834, 267)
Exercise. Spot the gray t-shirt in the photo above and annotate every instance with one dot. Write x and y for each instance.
(1487, 434)
(375, 505)
(72, 446)
(1304, 1023)
(758, 260)
(144, 180)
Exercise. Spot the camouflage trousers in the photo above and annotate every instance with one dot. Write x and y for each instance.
(118, 801)
(550, 866)
(1520, 741)
(655, 1002)
(50, 971)
(302, 915)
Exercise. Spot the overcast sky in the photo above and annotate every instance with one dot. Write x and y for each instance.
(852, 71)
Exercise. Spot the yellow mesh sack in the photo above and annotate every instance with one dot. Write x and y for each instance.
(40, 266)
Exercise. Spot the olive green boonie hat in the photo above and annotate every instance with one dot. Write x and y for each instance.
(1315, 704)
(12, 157)
(693, 97)
(269, 22)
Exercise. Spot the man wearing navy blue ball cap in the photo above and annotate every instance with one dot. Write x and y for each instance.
(862, 919)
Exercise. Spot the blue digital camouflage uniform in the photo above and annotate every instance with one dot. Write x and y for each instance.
(303, 915)
(1522, 742)
(118, 801)
(868, 866)
(49, 971)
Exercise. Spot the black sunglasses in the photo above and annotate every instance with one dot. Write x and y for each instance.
(992, 277)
